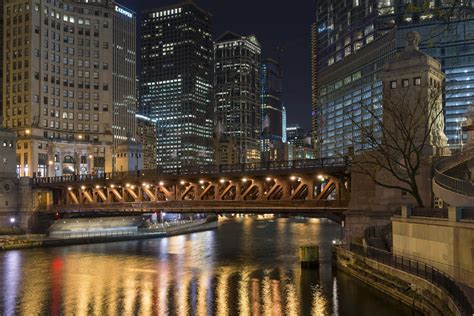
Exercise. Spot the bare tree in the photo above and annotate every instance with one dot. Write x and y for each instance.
(398, 143)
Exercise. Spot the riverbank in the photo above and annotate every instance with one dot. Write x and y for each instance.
(34, 241)
(412, 290)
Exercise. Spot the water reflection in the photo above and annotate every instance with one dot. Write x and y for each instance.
(247, 267)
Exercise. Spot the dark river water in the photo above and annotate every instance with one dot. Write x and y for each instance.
(246, 267)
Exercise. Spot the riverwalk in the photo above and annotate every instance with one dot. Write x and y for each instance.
(76, 238)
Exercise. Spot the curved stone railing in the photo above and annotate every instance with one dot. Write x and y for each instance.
(460, 186)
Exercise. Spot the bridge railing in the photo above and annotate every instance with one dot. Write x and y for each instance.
(204, 170)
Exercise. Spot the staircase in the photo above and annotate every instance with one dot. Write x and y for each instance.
(447, 183)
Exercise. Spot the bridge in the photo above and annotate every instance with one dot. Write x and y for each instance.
(303, 186)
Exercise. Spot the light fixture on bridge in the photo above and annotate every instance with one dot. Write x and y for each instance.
(201, 181)
(161, 183)
(127, 185)
(299, 179)
(83, 187)
(147, 186)
(182, 182)
(269, 179)
(69, 188)
(132, 187)
(292, 178)
(222, 180)
(112, 186)
(97, 186)
(245, 180)
(144, 184)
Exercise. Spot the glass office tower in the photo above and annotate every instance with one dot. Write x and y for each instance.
(271, 79)
(176, 83)
(237, 90)
(352, 48)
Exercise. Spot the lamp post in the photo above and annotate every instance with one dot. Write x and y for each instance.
(12, 222)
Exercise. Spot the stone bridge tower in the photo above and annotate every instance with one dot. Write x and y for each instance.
(412, 104)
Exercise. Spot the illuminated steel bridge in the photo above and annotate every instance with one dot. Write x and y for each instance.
(302, 186)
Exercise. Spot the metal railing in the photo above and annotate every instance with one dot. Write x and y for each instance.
(105, 234)
(430, 212)
(464, 187)
(468, 213)
(455, 160)
(420, 269)
(204, 170)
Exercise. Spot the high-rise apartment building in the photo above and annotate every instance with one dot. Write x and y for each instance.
(176, 83)
(237, 89)
(68, 84)
(354, 41)
(271, 81)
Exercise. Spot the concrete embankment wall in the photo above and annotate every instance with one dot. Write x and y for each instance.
(445, 244)
(407, 288)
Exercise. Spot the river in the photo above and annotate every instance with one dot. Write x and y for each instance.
(248, 266)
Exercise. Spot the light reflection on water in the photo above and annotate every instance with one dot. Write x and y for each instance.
(246, 267)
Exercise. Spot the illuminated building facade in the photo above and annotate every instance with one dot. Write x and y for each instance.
(68, 88)
(283, 125)
(271, 79)
(176, 83)
(237, 92)
(354, 41)
(146, 136)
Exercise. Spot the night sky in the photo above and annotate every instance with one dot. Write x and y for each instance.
(276, 24)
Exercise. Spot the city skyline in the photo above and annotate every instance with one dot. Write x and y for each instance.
(288, 28)
(176, 136)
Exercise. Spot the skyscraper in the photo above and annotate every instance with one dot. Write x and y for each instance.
(176, 83)
(237, 89)
(124, 74)
(283, 125)
(354, 41)
(271, 79)
(68, 84)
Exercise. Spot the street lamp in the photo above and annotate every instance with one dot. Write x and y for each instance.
(12, 221)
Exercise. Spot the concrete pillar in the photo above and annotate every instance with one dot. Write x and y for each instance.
(454, 214)
(407, 211)
(310, 184)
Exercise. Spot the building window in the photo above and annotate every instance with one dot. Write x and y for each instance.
(417, 81)
(393, 84)
(405, 83)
